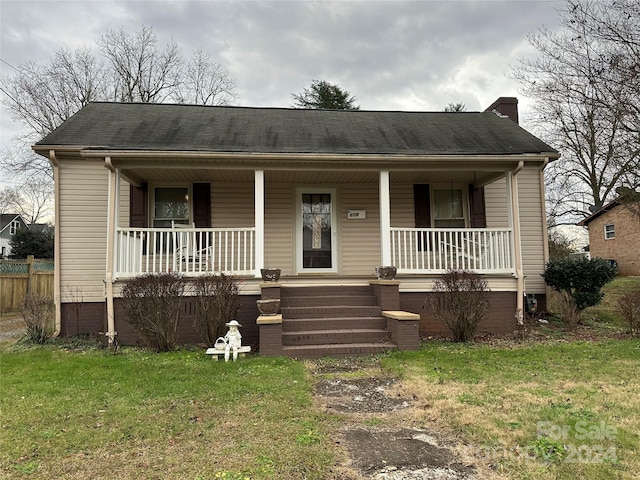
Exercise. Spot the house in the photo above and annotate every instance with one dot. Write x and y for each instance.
(326, 196)
(614, 233)
(9, 224)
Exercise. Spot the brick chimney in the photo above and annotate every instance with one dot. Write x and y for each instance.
(507, 106)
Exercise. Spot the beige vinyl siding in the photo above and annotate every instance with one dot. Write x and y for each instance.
(401, 198)
(359, 239)
(531, 228)
(123, 218)
(232, 205)
(496, 202)
(279, 227)
(83, 228)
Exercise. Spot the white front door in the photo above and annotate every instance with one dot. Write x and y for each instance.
(316, 230)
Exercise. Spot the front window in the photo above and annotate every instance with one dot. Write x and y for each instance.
(171, 205)
(448, 208)
(609, 232)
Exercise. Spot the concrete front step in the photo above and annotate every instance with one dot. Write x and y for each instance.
(328, 312)
(336, 350)
(329, 301)
(325, 290)
(333, 323)
(323, 337)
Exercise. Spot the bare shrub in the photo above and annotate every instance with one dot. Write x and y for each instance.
(217, 303)
(566, 309)
(629, 306)
(461, 301)
(152, 304)
(39, 315)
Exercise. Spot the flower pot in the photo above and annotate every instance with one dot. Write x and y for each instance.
(386, 273)
(270, 274)
(269, 306)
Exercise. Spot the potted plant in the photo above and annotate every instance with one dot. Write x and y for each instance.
(270, 274)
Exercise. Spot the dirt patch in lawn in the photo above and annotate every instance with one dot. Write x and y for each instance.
(378, 443)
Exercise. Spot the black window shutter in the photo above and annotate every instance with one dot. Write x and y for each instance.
(139, 206)
(422, 213)
(422, 207)
(202, 205)
(478, 217)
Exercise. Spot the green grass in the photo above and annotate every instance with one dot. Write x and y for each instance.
(90, 414)
(551, 407)
(536, 411)
(605, 315)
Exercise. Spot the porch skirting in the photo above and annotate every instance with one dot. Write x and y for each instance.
(90, 318)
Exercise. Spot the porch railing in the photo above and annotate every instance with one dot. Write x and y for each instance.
(190, 251)
(435, 250)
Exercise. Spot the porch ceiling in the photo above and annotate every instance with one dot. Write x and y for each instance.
(177, 175)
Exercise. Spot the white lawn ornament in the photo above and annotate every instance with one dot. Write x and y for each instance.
(230, 344)
(233, 339)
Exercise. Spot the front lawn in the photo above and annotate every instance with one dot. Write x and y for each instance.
(550, 407)
(85, 413)
(559, 410)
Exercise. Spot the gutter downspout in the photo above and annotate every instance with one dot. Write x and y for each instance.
(111, 229)
(515, 215)
(55, 163)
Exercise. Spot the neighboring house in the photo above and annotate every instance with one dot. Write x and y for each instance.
(614, 233)
(324, 195)
(9, 224)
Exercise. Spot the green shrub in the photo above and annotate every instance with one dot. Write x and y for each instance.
(152, 304)
(461, 301)
(218, 302)
(581, 278)
(39, 316)
(629, 306)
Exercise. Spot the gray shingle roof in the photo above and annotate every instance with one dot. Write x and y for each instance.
(135, 126)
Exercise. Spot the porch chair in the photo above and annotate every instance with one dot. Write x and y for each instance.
(189, 254)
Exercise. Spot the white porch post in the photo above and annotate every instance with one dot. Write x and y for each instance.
(514, 224)
(385, 220)
(259, 220)
(112, 224)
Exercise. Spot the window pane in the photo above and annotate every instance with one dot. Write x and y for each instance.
(316, 230)
(609, 231)
(171, 204)
(448, 204)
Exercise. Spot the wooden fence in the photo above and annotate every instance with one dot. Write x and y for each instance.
(20, 277)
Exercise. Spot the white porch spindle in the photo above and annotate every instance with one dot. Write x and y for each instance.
(434, 250)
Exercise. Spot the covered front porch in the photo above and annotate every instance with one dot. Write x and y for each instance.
(321, 228)
(308, 222)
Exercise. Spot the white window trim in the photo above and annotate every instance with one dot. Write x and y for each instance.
(607, 235)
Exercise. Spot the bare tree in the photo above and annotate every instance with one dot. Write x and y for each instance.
(9, 199)
(43, 96)
(31, 200)
(144, 73)
(582, 105)
(205, 82)
(128, 68)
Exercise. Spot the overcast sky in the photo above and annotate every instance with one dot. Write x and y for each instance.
(418, 55)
